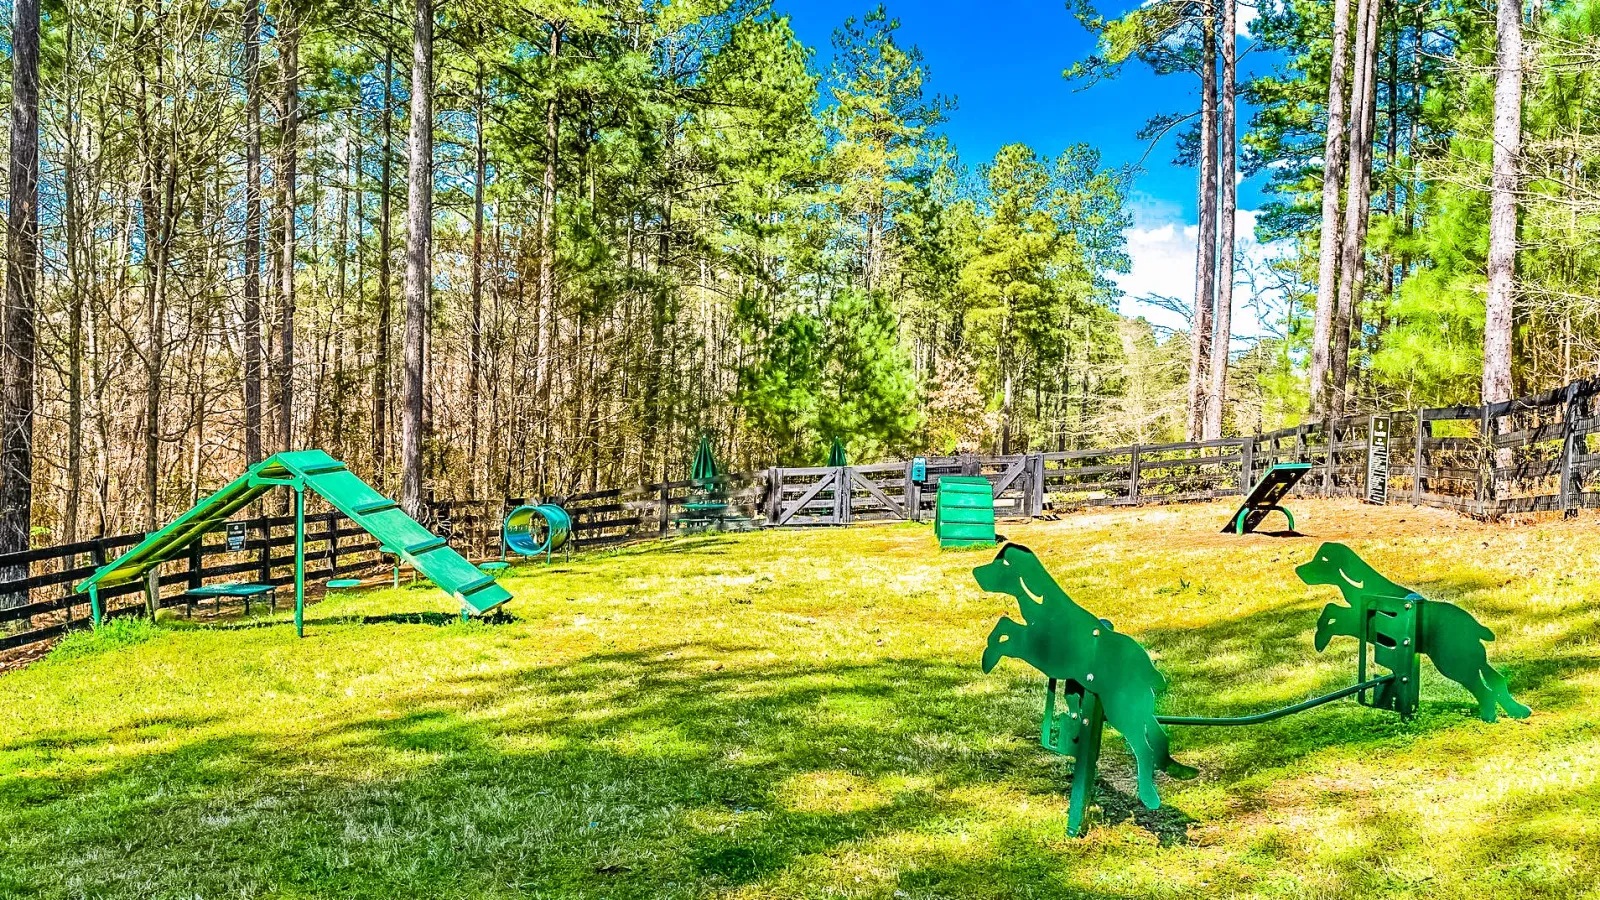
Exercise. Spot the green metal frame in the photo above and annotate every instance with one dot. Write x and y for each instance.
(1266, 496)
(1102, 676)
(302, 471)
(1238, 521)
(558, 531)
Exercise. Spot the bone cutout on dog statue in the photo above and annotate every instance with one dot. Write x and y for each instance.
(1445, 633)
(1068, 643)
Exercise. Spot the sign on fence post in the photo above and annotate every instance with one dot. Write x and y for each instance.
(1378, 460)
(235, 536)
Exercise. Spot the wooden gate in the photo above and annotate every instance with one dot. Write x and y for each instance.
(819, 502)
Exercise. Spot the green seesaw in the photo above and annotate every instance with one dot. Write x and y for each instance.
(1103, 676)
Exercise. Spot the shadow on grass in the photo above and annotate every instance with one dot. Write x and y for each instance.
(666, 772)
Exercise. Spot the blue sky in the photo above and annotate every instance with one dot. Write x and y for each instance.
(1002, 60)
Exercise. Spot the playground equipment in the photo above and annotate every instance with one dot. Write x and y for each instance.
(1266, 497)
(302, 471)
(536, 530)
(1104, 676)
(836, 455)
(708, 507)
(964, 514)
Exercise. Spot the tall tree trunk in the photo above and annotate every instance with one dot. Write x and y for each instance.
(289, 35)
(1329, 242)
(1504, 182)
(385, 318)
(1358, 203)
(547, 257)
(78, 273)
(475, 362)
(252, 232)
(1206, 245)
(419, 239)
(22, 264)
(1227, 203)
(1391, 200)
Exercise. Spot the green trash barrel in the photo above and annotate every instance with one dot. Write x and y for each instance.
(964, 512)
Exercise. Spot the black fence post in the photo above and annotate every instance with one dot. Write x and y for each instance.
(843, 495)
(1416, 467)
(333, 544)
(1567, 498)
(265, 550)
(1134, 474)
(98, 558)
(913, 496)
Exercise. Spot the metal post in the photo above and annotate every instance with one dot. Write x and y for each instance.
(1085, 763)
(94, 605)
(300, 560)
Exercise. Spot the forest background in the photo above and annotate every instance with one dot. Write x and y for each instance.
(508, 247)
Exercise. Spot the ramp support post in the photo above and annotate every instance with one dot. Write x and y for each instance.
(1085, 762)
(299, 559)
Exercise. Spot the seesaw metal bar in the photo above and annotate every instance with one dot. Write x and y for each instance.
(1268, 716)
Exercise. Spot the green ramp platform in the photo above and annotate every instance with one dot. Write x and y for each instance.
(302, 471)
(1267, 496)
(964, 514)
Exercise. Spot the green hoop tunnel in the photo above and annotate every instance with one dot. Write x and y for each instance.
(536, 530)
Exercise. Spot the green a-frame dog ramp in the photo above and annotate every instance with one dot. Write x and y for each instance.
(315, 471)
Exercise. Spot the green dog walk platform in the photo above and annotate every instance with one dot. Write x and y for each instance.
(319, 473)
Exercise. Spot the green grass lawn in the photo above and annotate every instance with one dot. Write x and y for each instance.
(801, 714)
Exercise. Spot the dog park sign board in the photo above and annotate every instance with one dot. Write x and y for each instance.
(1378, 460)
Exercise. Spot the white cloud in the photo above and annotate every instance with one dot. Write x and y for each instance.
(1161, 246)
(1242, 17)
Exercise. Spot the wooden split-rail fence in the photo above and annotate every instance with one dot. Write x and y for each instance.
(1537, 454)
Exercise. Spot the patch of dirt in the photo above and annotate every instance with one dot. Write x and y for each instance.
(16, 659)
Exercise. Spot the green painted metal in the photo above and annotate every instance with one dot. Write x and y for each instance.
(343, 584)
(1266, 496)
(964, 512)
(301, 471)
(535, 530)
(1239, 521)
(230, 590)
(1102, 676)
(705, 463)
(1400, 626)
(1104, 673)
(300, 560)
(1279, 713)
(836, 455)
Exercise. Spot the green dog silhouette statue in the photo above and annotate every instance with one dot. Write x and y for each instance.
(1400, 626)
(1107, 676)
(1101, 676)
